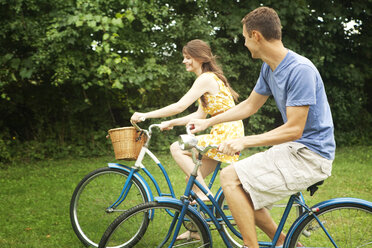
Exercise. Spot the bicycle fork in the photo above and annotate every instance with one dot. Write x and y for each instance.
(123, 193)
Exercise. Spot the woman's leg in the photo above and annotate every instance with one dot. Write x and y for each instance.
(208, 166)
(185, 162)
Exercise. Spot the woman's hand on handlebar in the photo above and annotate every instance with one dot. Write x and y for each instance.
(138, 117)
(165, 125)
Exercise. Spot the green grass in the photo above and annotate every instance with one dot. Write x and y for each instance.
(35, 197)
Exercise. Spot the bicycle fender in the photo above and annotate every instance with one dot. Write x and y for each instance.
(190, 208)
(218, 194)
(149, 194)
(217, 198)
(320, 206)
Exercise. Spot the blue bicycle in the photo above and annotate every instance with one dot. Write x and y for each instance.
(339, 222)
(105, 193)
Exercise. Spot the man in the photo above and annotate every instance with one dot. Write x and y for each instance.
(303, 148)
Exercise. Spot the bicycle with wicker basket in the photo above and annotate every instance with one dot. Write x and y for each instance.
(105, 193)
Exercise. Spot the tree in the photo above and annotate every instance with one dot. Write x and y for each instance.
(70, 70)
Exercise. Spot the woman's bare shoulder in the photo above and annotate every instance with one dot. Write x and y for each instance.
(207, 81)
(206, 78)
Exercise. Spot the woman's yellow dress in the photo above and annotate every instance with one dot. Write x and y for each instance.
(217, 104)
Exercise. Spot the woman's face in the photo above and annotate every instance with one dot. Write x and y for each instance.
(191, 64)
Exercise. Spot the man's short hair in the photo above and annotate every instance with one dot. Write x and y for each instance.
(266, 21)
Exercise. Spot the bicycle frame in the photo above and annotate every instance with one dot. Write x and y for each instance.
(189, 194)
(185, 203)
(138, 166)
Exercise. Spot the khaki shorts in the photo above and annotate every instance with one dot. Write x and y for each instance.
(281, 171)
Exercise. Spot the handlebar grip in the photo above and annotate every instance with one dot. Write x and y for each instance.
(189, 128)
(135, 125)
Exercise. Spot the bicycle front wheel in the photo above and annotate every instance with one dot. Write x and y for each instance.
(127, 230)
(89, 207)
(348, 224)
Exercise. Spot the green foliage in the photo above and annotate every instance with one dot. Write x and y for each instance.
(71, 70)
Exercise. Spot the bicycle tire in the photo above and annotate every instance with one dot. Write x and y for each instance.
(93, 195)
(126, 230)
(349, 224)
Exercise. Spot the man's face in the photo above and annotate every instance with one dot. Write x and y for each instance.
(249, 42)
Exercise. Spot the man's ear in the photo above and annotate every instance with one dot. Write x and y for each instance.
(257, 36)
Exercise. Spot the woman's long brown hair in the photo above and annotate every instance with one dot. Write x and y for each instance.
(200, 51)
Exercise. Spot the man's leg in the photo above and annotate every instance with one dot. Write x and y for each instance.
(243, 210)
(267, 225)
(240, 205)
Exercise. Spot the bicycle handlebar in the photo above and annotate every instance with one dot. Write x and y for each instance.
(135, 126)
(189, 141)
(144, 130)
(152, 126)
(205, 149)
(189, 128)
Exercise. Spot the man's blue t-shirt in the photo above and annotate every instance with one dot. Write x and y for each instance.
(297, 82)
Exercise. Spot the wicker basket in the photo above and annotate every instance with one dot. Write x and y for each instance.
(127, 142)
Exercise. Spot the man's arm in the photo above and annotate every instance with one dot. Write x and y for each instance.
(241, 111)
(289, 131)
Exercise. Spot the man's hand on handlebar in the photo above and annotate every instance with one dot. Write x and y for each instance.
(231, 147)
(198, 125)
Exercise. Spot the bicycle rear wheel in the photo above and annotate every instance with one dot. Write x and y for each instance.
(92, 197)
(349, 224)
(276, 213)
(127, 230)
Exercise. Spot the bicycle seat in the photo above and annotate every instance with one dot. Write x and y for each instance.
(313, 188)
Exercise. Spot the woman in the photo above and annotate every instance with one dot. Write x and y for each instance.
(215, 96)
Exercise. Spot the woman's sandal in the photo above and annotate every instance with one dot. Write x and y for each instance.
(188, 235)
(202, 198)
(194, 202)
